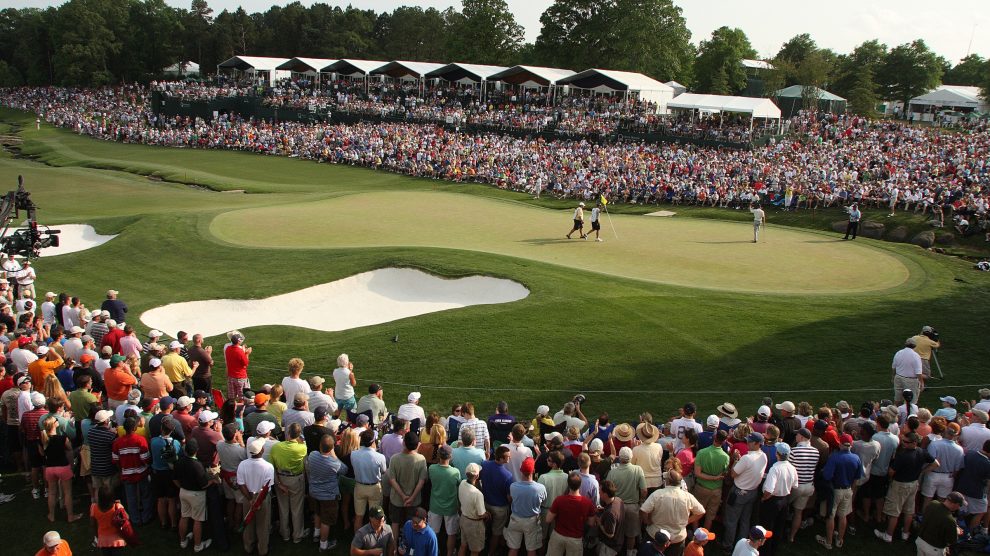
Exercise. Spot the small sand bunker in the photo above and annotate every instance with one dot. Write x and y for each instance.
(73, 238)
(662, 213)
(364, 299)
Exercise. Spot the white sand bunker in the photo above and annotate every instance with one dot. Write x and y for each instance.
(662, 213)
(364, 299)
(73, 238)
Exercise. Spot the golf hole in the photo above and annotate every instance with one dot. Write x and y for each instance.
(365, 299)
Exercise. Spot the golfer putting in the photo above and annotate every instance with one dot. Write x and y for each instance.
(759, 219)
(578, 221)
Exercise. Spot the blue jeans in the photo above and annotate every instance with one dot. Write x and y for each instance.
(140, 507)
(738, 510)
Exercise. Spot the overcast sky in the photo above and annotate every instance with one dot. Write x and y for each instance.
(836, 24)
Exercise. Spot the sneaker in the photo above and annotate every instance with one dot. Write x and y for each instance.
(905, 536)
(838, 543)
(203, 545)
(305, 533)
(184, 543)
(823, 541)
(330, 545)
(316, 535)
(599, 239)
(882, 535)
(584, 238)
(807, 523)
(35, 493)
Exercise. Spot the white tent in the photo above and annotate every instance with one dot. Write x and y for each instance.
(756, 107)
(307, 66)
(353, 68)
(610, 81)
(532, 76)
(677, 87)
(399, 68)
(182, 68)
(259, 67)
(756, 65)
(950, 96)
(466, 73)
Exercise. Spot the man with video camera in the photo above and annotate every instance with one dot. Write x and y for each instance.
(924, 343)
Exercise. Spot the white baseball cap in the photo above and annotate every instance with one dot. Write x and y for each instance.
(265, 427)
(154, 333)
(175, 344)
(257, 445)
(414, 396)
(206, 416)
(154, 362)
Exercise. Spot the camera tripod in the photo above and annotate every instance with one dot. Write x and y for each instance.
(937, 366)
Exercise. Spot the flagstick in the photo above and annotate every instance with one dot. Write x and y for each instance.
(610, 222)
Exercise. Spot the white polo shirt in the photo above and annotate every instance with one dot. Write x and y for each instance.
(750, 469)
(255, 473)
(907, 363)
(781, 479)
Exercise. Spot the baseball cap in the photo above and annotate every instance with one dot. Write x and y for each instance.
(76, 330)
(85, 358)
(103, 416)
(552, 435)
(712, 421)
(174, 344)
(167, 401)
(783, 449)
(258, 444)
(786, 406)
(37, 399)
(42, 350)
(821, 425)
(116, 359)
(764, 411)
(984, 392)
(758, 533)
(23, 379)
(362, 420)
(320, 413)
(112, 292)
(107, 350)
(951, 400)
(755, 437)
(316, 381)
(260, 399)
(87, 338)
(528, 466)
(414, 396)
(443, 452)
(661, 538)
(134, 396)
(154, 362)
(543, 410)
(154, 333)
(51, 539)
(596, 446)
(377, 512)
(184, 401)
(846, 439)
(265, 427)
(804, 432)
(206, 416)
(702, 534)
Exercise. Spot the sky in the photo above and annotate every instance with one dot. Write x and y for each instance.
(837, 24)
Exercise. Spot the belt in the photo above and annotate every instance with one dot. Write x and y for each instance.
(287, 474)
(841, 488)
(472, 518)
(366, 484)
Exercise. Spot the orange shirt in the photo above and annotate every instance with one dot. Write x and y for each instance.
(61, 550)
(694, 549)
(106, 534)
(41, 369)
(118, 383)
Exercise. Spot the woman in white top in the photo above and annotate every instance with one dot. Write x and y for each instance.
(292, 384)
(344, 382)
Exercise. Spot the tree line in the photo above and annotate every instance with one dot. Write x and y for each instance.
(97, 42)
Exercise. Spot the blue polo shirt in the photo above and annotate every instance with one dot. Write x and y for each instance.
(843, 468)
(527, 498)
(419, 543)
(495, 481)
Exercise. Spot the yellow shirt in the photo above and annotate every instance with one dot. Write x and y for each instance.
(277, 409)
(923, 346)
(289, 456)
(176, 368)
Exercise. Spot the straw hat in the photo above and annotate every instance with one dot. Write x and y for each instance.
(624, 432)
(728, 410)
(647, 432)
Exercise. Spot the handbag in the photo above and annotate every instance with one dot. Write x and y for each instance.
(122, 522)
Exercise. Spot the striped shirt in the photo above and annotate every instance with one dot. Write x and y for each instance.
(100, 440)
(804, 458)
(29, 423)
(132, 455)
(480, 429)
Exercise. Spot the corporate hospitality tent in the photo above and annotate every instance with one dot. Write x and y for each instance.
(306, 66)
(610, 81)
(258, 67)
(353, 68)
(756, 107)
(182, 68)
(677, 87)
(531, 76)
(791, 100)
(398, 69)
(467, 74)
(956, 97)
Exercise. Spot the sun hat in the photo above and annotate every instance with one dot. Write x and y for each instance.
(624, 432)
(647, 432)
(728, 410)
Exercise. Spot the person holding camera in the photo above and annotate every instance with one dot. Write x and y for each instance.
(572, 414)
(924, 343)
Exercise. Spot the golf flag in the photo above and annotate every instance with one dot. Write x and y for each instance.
(603, 200)
(258, 500)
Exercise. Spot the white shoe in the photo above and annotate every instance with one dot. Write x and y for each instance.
(184, 543)
(599, 239)
(203, 545)
(882, 535)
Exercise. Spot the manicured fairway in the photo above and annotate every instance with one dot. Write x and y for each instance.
(685, 252)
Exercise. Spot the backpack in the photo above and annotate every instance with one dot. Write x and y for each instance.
(168, 453)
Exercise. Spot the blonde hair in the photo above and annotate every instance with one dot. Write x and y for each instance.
(52, 389)
(296, 366)
(438, 435)
(276, 392)
(349, 442)
(49, 428)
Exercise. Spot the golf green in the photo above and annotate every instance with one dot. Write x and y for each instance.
(686, 252)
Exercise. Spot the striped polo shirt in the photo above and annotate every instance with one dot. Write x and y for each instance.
(100, 440)
(131, 454)
(804, 458)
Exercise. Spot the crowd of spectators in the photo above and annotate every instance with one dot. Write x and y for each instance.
(826, 159)
(87, 404)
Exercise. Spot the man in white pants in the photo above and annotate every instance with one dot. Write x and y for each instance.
(759, 219)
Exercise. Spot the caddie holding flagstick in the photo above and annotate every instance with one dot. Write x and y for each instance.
(759, 220)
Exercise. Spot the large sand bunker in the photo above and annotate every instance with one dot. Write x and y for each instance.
(364, 299)
(73, 238)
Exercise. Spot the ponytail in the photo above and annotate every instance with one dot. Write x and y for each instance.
(49, 423)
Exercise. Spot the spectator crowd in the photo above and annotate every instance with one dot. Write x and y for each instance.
(137, 425)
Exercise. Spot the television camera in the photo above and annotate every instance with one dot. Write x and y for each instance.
(27, 242)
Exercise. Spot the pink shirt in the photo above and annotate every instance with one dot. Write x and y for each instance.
(130, 345)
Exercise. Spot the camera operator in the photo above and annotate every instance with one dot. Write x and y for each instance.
(572, 414)
(924, 343)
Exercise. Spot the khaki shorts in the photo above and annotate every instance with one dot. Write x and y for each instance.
(84, 460)
(524, 530)
(366, 496)
(800, 496)
(112, 481)
(900, 498)
(710, 498)
(565, 546)
(193, 504)
(449, 522)
(630, 518)
(231, 493)
(500, 515)
(473, 533)
(842, 502)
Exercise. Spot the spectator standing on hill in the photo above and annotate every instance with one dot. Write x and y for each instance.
(344, 383)
(908, 371)
(237, 358)
(924, 343)
(203, 376)
(116, 307)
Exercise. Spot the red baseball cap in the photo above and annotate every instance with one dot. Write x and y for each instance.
(846, 439)
(528, 466)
